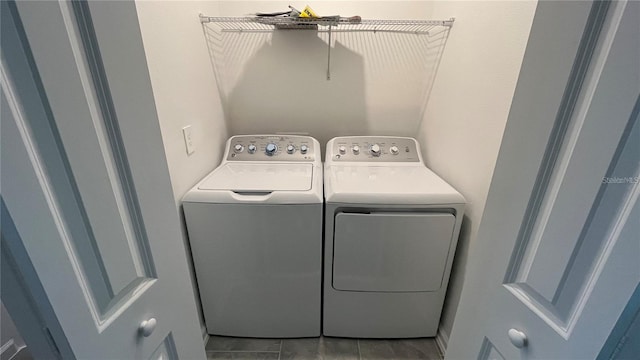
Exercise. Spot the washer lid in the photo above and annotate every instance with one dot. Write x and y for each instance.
(259, 177)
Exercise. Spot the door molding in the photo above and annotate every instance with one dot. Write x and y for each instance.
(91, 51)
(589, 40)
(25, 298)
(600, 30)
(22, 291)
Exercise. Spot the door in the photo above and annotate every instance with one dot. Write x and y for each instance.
(391, 252)
(85, 182)
(557, 254)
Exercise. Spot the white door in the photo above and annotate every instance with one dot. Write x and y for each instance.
(558, 251)
(85, 182)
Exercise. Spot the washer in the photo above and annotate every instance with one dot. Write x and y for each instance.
(255, 228)
(391, 229)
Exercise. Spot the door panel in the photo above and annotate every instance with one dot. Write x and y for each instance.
(74, 223)
(572, 195)
(100, 218)
(565, 245)
(93, 208)
(99, 191)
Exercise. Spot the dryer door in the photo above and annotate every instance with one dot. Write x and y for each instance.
(391, 252)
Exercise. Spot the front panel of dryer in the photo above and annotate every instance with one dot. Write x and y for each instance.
(391, 251)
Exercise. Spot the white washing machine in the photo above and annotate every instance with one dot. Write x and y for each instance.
(255, 228)
(391, 229)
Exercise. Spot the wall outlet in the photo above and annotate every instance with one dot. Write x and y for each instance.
(188, 140)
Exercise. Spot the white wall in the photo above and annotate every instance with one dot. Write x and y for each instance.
(465, 118)
(276, 81)
(184, 87)
(185, 91)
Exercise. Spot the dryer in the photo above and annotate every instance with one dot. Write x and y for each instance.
(255, 229)
(391, 229)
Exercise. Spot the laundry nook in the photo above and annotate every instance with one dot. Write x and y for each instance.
(321, 180)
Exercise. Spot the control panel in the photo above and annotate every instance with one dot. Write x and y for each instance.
(374, 148)
(271, 148)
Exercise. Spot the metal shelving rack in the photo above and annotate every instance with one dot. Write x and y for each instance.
(329, 25)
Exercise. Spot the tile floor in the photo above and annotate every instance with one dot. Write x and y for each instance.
(323, 348)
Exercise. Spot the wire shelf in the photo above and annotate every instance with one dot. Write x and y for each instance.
(259, 24)
(378, 70)
(329, 24)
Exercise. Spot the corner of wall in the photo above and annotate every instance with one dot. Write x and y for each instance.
(184, 88)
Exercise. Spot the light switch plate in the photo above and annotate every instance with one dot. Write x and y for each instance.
(188, 140)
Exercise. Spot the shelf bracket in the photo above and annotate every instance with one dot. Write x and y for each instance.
(329, 56)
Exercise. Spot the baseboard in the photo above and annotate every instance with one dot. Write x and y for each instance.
(442, 339)
(205, 335)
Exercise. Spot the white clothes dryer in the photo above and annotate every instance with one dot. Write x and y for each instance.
(255, 228)
(391, 229)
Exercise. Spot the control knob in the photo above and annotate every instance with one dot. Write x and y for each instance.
(394, 150)
(356, 149)
(375, 150)
(252, 148)
(270, 149)
(238, 148)
(342, 149)
(304, 149)
(290, 149)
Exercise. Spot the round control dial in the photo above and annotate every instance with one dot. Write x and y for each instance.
(342, 149)
(291, 149)
(270, 149)
(394, 150)
(252, 148)
(356, 149)
(375, 150)
(304, 149)
(238, 148)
